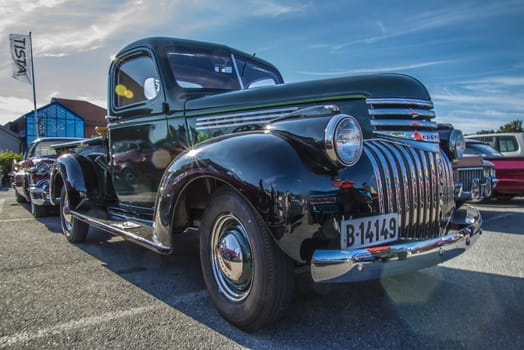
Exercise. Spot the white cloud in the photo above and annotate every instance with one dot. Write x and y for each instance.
(505, 81)
(276, 8)
(13, 107)
(443, 16)
(513, 103)
(377, 69)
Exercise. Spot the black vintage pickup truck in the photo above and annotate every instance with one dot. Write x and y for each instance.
(346, 176)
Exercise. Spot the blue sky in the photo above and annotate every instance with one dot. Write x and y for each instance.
(469, 54)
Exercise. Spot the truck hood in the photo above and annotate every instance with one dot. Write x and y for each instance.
(347, 88)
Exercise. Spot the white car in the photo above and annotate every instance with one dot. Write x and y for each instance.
(510, 144)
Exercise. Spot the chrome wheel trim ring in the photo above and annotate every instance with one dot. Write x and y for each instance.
(67, 218)
(231, 258)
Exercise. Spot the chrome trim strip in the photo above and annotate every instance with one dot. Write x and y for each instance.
(399, 101)
(378, 178)
(378, 262)
(130, 236)
(413, 113)
(403, 122)
(387, 194)
(241, 118)
(427, 136)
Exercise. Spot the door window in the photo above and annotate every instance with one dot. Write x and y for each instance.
(136, 81)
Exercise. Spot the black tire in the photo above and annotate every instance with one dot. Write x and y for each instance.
(74, 230)
(38, 210)
(249, 279)
(19, 198)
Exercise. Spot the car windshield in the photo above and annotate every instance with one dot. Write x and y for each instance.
(43, 149)
(481, 149)
(218, 69)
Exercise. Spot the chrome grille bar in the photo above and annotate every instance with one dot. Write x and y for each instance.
(403, 118)
(414, 183)
(466, 176)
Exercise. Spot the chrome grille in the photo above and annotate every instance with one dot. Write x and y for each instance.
(466, 177)
(415, 183)
(404, 118)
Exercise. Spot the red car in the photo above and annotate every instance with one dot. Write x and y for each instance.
(510, 170)
(30, 176)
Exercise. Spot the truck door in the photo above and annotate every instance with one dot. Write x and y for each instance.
(138, 135)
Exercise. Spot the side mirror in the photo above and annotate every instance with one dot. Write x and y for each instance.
(151, 88)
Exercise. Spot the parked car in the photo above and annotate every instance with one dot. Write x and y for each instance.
(474, 177)
(345, 176)
(510, 170)
(30, 176)
(510, 144)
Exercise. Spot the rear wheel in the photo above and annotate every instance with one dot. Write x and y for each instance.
(74, 230)
(249, 279)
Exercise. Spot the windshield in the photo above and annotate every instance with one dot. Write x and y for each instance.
(43, 149)
(218, 69)
(254, 74)
(481, 149)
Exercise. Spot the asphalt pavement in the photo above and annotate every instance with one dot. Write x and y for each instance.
(107, 293)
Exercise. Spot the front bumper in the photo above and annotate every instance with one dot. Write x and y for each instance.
(389, 260)
(39, 193)
(479, 190)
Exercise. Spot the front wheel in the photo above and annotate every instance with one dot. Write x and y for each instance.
(250, 281)
(74, 230)
(38, 210)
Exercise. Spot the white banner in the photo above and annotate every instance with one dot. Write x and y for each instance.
(20, 52)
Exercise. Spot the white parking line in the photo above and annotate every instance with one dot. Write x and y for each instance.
(16, 220)
(22, 337)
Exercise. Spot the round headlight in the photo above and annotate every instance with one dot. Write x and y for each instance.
(343, 140)
(42, 168)
(457, 144)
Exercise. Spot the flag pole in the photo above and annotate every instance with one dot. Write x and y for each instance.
(37, 129)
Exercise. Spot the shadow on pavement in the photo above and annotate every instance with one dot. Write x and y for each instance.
(437, 307)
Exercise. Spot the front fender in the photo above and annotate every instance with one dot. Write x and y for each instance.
(268, 171)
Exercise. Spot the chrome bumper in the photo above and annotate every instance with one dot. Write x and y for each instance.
(479, 190)
(40, 193)
(377, 262)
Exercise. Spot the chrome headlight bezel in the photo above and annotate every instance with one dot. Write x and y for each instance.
(335, 141)
(42, 168)
(457, 144)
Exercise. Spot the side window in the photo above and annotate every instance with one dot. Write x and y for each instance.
(136, 81)
(507, 144)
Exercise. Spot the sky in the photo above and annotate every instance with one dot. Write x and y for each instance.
(469, 54)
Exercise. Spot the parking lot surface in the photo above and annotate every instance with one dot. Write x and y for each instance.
(107, 293)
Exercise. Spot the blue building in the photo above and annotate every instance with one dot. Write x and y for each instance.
(60, 118)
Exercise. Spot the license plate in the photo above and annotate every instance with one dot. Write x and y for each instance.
(369, 231)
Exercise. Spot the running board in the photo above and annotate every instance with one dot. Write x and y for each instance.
(129, 230)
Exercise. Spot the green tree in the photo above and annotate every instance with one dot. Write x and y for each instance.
(514, 126)
(6, 160)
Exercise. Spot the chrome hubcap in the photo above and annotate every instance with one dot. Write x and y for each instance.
(231, 257)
